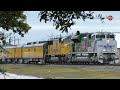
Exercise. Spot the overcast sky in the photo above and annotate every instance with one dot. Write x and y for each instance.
(43, 31)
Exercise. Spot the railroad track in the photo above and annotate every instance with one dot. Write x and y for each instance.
(113, 67)
(65, 64)
(85, 64)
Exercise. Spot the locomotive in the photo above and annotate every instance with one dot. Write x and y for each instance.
(97, 48)
(82, 48)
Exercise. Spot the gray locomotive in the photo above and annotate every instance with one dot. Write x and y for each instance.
(97, 48)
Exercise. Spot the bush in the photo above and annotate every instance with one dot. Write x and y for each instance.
(3, 71)
(1, 61)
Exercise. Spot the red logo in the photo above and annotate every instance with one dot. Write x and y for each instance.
(110, 17)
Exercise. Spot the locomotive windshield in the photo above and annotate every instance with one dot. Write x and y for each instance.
(103, 36)
(100, 36)
(110, 36)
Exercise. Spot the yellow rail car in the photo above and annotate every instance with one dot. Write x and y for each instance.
(13, 53)
(25, 53)
(33, 53)
(48, 51)
(17, 52)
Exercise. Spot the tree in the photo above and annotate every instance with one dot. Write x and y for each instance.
(14, 20)
(63, 20)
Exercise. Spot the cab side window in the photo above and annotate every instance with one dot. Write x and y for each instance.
(93, 37)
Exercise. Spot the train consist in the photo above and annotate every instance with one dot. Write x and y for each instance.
(82, 48)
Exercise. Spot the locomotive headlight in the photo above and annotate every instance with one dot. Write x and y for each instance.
(108, 41)
(101, 57)
(114, 50)
(104, 50)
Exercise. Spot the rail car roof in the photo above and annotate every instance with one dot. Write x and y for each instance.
(13, 46)
(32, 45)
(37, 42)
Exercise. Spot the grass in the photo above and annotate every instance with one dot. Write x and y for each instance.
(60, 72)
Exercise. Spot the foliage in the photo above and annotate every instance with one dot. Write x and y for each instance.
(63, 20)
(14, 20)
(3, 71)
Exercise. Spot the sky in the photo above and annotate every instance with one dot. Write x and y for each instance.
(43, 31)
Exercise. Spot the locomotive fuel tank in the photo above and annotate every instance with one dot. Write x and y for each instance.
(81, 59)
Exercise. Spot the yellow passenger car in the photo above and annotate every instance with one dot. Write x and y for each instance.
(32, 51)
(38, 52)
(11, 52)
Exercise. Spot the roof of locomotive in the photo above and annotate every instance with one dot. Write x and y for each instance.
(97, 33)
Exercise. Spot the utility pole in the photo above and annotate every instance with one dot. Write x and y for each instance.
(10, 39)
(18, 41)
(14, 49)
(14, 40)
